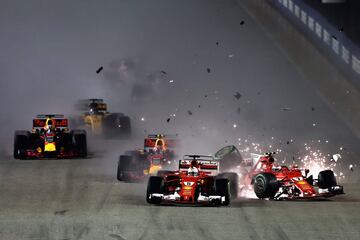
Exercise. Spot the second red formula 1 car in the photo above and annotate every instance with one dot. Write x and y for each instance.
(269, 180)
(195, 182)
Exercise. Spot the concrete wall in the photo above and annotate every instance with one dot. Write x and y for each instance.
(336, 88)
(326, 37)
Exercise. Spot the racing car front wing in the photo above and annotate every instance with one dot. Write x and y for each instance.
(176, 198)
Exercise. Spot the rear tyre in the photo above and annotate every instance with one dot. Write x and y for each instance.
(154, 186)
(79, 142)
(265, 185)
(125, 126)
(116, 125)
(222, 189)
(233, 180)
(124, 164)
(21, 144)
(326, 179)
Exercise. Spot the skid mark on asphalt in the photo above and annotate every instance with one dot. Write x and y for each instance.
(249, 226)
(102, 202)
(84, 230)
(281, 234)
(116, 236)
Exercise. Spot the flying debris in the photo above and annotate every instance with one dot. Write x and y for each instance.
(234, 125)
(217, 43)
(238, 110)
(168, 120)
(336, 157)
(61, 212)
(142, 119)
(99, 70)
(208, 70)
(199, 106)
(231, 55)
(163, 72)
(314, 124)
(242, 22)
(351, 167)
(286, 109)
(189, 112)
(237, 95)
(312, 109)
(171, 81)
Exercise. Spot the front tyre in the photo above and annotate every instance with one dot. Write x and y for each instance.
(21, 143)
(265, 185)
(222, 189)
(79, 142)
(234, 182)
(326, 179)
(124, 164)
(154, 186)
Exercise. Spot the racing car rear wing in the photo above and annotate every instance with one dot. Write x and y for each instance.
(54, 116)
(162, 136)
(210, 166)
(153, 140)
(40, 121)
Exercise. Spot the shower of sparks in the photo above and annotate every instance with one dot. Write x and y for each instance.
(308, 158)
(316, 161)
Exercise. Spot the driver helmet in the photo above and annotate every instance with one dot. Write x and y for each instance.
(50, 125)
(194, 168)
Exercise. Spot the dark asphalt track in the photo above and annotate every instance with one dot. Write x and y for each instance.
(79, 199)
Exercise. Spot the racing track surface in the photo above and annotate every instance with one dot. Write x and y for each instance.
(80, 199)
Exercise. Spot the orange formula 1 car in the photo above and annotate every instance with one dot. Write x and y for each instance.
(50, 137)
(196, 182)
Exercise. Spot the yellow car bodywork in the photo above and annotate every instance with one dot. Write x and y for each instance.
(50, 147)
(94, 122)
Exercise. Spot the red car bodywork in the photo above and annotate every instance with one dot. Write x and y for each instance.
(293, 182)
(181, 188)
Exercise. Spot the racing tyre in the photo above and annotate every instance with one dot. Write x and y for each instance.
(21, 143)
(116, 125)
(265, 185)
(79, 142)
(154, 186)
(125, 125)
(123, 165)
(222, 189)
(326, 179)
(233, 180)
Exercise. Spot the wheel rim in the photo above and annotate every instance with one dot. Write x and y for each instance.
(260, 184)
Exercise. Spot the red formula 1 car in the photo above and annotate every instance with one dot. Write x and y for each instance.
(158, 155)
(194, 183)
(269, 180)
(50, 138)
